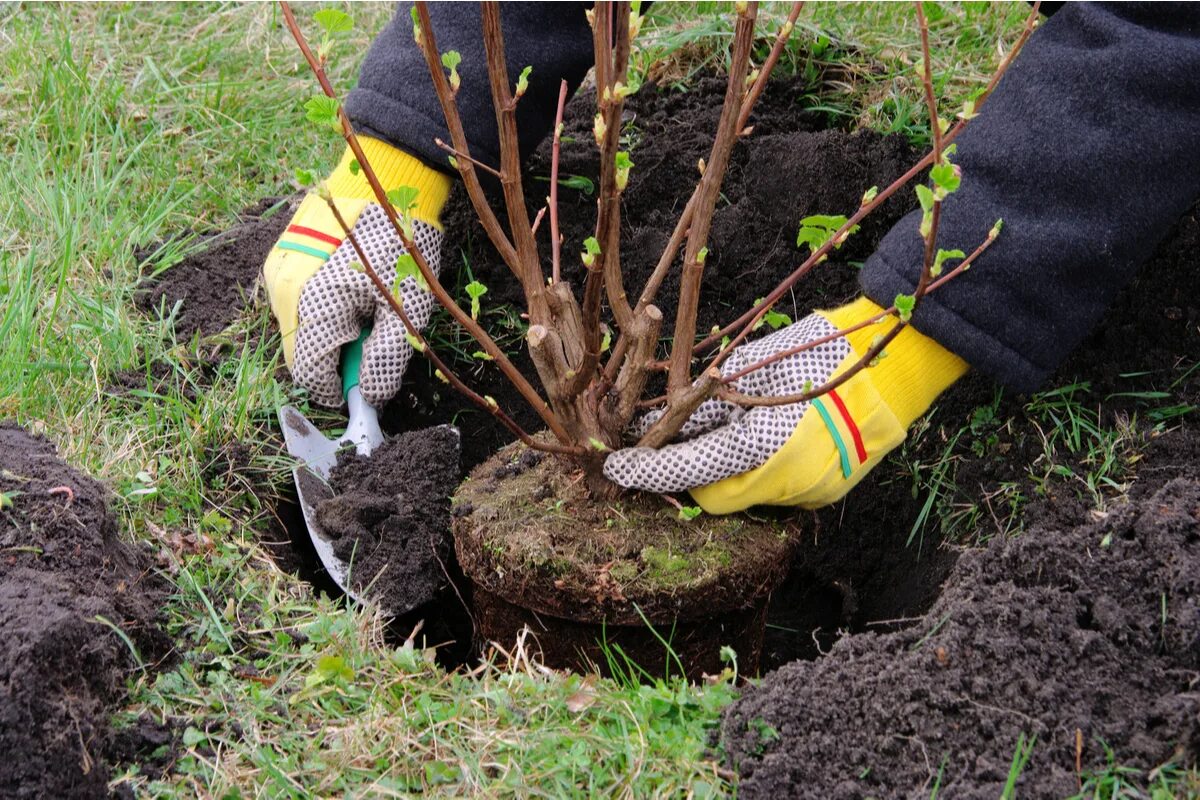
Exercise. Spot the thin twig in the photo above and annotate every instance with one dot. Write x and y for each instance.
(764, 72)
(555, 237)
(460, 156)
(872, 320)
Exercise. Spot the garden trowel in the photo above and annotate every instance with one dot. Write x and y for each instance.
(318, 455)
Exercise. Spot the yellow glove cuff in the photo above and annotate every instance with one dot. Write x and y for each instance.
(914, 369)
(846, 432)
(394, 168)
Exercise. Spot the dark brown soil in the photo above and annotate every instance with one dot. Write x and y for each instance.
(390, 517)
(212, 284)
(530, 537)
(65, 580)
(1094, 629)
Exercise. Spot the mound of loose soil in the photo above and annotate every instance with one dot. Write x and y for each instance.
(211, 285)
(65, 581)
(1095, 629)
(390, 516)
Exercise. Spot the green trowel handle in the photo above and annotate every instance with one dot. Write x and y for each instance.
(351, 361)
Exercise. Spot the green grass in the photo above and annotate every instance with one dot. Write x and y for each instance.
(862, 60)
(123, 125)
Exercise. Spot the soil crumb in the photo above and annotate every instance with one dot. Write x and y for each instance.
(211, 285)
(66, 582)
(390, 516)
(1095, 629)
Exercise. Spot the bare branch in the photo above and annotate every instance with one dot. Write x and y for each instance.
(555, 236)
(466, 164)
(505, 104)
(679, 375)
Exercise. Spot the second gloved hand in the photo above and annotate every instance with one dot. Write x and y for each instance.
(807, 454)
(321, 296)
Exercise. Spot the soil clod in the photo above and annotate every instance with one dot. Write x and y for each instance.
(67, 585)
(389, 517)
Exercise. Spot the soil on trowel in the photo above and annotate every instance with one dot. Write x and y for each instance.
(212, 284)
(390, 517)
(1091, 631)
(67, 585)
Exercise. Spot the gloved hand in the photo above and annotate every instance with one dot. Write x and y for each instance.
(321, 302)
(806, 454)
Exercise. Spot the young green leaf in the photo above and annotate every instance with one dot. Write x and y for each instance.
(441, 376)
(414, 342)
(946, 178)
(416, 21)
(995, 231)
(450, 60)
(403, 198)
(523, 81)
(333, 20)
(304, 177)
(925, 197)
(482, 356)
(597, 445)
(591, 249)
(817, 230)
(606, 342)
(624, 164)
(475, 290)
(869, 195)
(905, 303)
(689, 513)
(776, 319)
(355, 167)
(406, 267)
(702, 255)
(941, 257)
(323, 111)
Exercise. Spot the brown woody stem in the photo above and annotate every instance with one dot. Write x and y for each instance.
(679, 376)
(466, 164)
(555, 237)
(519, 227)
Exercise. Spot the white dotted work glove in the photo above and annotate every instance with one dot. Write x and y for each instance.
(340, 299)
(807, 453)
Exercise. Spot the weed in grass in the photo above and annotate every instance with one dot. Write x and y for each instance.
(1020, 760)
